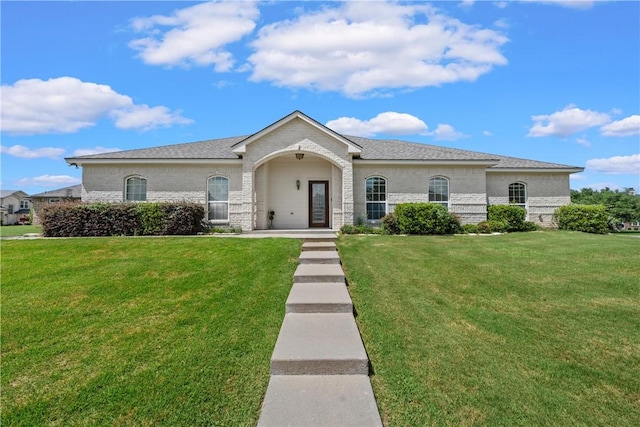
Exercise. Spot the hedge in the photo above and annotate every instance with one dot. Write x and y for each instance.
(586, 218)
(122, 219)
(420, 218)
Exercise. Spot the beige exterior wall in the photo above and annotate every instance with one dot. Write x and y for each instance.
(467, 197)
(545, 193)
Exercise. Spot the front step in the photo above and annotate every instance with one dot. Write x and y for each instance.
(319, 239)
(319, 257)
(316, 273)
(319, 246)
(319, 298)
(316, 400)
(319, 344)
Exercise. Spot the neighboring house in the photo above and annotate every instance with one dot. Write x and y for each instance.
(14, 207)
(311, 176)
(61, 195)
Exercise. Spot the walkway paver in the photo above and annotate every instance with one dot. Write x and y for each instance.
(319, 366)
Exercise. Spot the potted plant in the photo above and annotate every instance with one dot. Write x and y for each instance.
(271, 215)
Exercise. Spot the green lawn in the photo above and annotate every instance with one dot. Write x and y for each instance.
(140, 331)
(511, 330)
(18, 230)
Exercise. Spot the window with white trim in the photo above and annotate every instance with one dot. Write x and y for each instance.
(218, 198)
(376, 198)
(24, 204)
(439, 191)
(135, 189)
(518, 194)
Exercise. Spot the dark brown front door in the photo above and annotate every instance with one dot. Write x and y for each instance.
(318, 203)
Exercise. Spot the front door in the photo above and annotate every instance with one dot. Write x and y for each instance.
(318, 203)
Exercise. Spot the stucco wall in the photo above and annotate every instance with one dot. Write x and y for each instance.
(411, 184)
(545, 193)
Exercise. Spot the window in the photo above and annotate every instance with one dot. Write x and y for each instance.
(10, 209)
(218, 198)
(439, 191)
(518, 194)
(135, 189)
(54, 201)
(376, 198)
(24, 204)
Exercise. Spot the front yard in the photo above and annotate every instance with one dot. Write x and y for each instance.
(518, 329)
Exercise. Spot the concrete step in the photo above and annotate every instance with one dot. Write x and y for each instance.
(319, 246)
(319, 344)
(319, 298)
(319, 257)
(320, 239)
(316, 400)
(317, 273)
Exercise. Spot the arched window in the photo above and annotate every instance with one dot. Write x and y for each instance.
(439, 191)
(376, 198)
(218, 198)
(135, 189)
(518, 194)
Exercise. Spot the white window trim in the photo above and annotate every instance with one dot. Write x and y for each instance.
(218, 221)
(125, 193)
(524, 205)
(386, 198)
(446, 204)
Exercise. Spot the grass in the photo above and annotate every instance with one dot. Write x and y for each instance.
(140, 331)
(512, 330)
(19, 230)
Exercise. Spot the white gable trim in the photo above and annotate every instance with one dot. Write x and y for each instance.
(352, 148)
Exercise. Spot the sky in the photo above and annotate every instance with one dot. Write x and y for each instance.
(555, 81)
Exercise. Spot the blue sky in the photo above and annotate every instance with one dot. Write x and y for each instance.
(556, 81)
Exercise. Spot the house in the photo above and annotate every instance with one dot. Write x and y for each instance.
(62, 195)
(15, 207)
(312, 176)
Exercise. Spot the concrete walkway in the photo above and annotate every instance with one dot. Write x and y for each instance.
(319, 367)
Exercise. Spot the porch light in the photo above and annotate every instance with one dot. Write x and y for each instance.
(298, 184)
(299, 156)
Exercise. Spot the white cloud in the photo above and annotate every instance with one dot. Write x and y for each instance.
(602, 185)
(466, 4)
(67, 104)
(445, 132)
(196, 35)
(95, 150)
(616, 165)
(27, 153)
(389, 123)
(566, 122)
(361, 48)
(577, 177)
(626, 127)
(49, 181)
(583, 141)
(572, 4)
(487, 133)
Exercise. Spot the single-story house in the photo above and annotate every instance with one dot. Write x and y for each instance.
(311, 176)
(71, 194)
(15, 207)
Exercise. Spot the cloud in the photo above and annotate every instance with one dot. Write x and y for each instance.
(360, 48)
(566, 122)
(626, 127)
(572, 4)
(446, 132)
(616, 165)
(583, 141)
(95, 150)
(388, 123)
(27, 153)
(49, 181)
(487, 133)
(67, 105)
(196, 35)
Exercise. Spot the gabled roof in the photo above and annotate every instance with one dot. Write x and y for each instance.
(240, 147)
(74, 191)
(363, 150)
(7, 193)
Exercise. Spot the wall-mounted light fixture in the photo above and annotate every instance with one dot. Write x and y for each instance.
(299, 156)
(298, 184)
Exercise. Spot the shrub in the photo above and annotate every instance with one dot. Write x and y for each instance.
(492, 226)
(390, 224)
(360, 229)
(513, 216)
(121, 219)
(586, 218)
(469, 228)
(425, 218)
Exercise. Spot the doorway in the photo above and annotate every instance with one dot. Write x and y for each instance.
(319, 204)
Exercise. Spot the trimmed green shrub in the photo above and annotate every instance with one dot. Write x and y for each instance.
(492, 226)
(361, 229)
(425, 218)
(469, 228)
(390, 224)
(513, 216)
(121, 219)
(586, 218)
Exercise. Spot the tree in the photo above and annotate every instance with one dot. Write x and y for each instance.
(623, 206)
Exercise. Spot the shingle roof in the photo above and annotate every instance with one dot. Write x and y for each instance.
(372, 149)
(76, 191)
